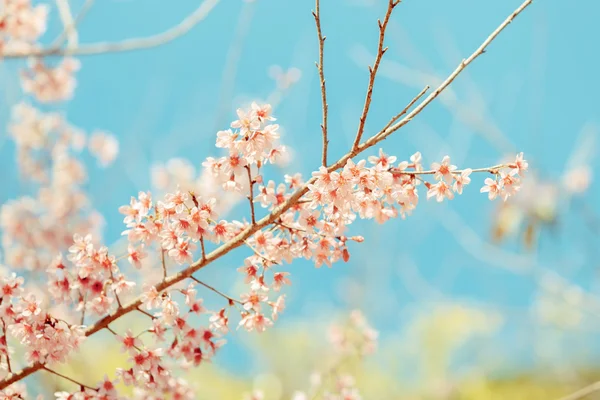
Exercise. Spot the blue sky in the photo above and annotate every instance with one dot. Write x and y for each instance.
(535, 88)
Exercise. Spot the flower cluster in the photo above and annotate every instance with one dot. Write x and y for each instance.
(21, 24)
(253, 145)
(46, 338)
(36, 228)
(50, 84)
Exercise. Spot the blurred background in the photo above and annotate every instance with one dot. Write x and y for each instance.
(472, 299)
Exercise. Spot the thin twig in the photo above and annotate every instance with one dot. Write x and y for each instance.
(294, 198)
(388, 131)
(260, 255)
(111, 330)
(492, 170)
(251, 195)
(202, 247)
(583, 392)
(7, 349)
(115, 291)
(408, 106)
(126, 45)
(144, 312)
(317, 15)
(230, 299)
(69, 379)
(164, 264)
(373, 71)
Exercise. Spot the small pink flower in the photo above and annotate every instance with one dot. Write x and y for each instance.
(278, 307)
(521, 164)
(493, 187)
(129, 342)
(444, 170)
(440, 191)
(182, 251)
(462, 180)
(246, 121)
(263, 113)
(279, 279)
(510, 184)
(136, 255)
(383, 161)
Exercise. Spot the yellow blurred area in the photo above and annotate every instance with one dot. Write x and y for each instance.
(285, 357)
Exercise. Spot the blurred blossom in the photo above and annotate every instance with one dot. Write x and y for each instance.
(576, 181)
(104, 147)
(284, 79)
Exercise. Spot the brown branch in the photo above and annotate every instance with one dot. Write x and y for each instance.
(373, 71)
(230, 299)
(386, 132)
(251, 195)
(241, 237)
(7, 349)
(146, 313)
(69, 379)
(164, 264)
(203, 250)
(317, 15)
(126, 45)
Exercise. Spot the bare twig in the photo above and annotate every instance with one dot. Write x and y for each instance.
(317, 15)
(391, 129)
(260, 255)
(230, 299)
(69, 379)
(126, 45)
(373, 71)
(146, 313)
(164, 264)
(251, 195)
(6, 344)
(408, 106)
(202, 247)
(241, 237)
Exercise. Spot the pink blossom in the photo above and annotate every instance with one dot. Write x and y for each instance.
(462, 180)
(440, 191)
(444, 170)
(493, 187)
(521, 164)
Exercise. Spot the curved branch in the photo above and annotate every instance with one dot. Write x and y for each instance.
(126, 45)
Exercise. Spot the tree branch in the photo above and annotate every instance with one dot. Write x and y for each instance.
(230, 299)
(386, 132)
(408, 106)
(126, 45)
(373, 71)
(251, 195)
(239, 240)
(69, 379)
(317, 15)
